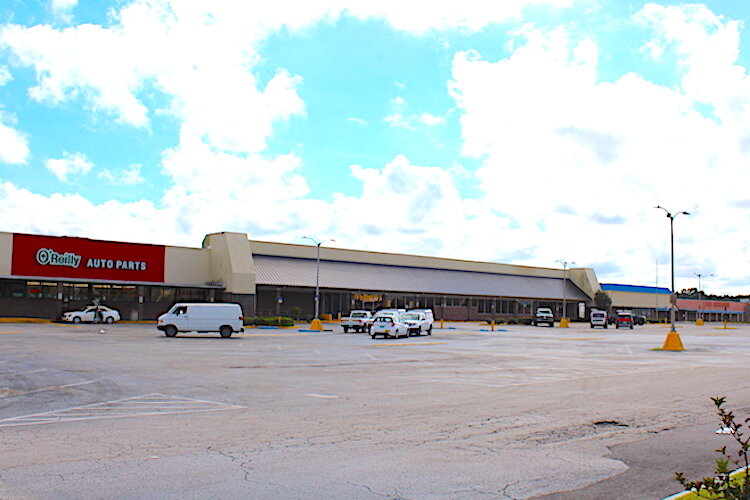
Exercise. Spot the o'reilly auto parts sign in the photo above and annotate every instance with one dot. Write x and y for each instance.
(65, 257)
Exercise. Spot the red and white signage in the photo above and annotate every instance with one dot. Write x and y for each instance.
(82, 258)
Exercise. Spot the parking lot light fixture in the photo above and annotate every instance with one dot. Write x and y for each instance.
(317, 275)
(564, 321)
(673, 341)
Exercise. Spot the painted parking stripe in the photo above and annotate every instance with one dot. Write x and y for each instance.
(156, 404)
(39, 370)
(410, 343)
(586, 338)
(49, 388)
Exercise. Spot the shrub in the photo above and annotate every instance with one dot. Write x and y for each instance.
(295, 312)
(269, 321)
(722, 485)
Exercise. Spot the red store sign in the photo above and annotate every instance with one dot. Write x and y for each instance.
(82, 258)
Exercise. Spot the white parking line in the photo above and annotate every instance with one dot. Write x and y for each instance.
(50, 388)
(322, 396)
(24, 373)
(157, 404)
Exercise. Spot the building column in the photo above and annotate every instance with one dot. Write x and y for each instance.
(140, 292)
(59, 300)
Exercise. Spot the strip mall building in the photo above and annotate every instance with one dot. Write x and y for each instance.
(42, 276)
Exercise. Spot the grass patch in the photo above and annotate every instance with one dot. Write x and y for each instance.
(737, 476)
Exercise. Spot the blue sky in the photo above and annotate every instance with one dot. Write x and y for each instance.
(527, 132)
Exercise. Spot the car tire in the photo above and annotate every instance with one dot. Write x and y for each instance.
(606, 326)
(76, 319)
(429, 330)
(170, 331)
(110, 320)
(346, 329)
(372, 337)
(225, 331)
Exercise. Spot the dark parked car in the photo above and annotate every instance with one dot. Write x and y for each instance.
(624, 320)
(639, 319)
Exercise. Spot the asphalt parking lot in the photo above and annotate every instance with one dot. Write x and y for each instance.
(521, 412)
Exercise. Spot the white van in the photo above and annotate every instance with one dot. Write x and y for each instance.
(187, 317)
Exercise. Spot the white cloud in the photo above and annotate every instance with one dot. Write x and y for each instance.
(63, 9)
(73, 215)
(430, 120)
(399, 118)
(127, 177)
(570, 165)
(359, 121)
(550, 133)
(5, 75)
(14, 147)
(706, 47)
(69, 164)
(470, 15)
(200, 57)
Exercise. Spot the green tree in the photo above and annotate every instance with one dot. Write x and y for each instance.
(602, 300)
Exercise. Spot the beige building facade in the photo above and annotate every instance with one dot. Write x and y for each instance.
(43, 276)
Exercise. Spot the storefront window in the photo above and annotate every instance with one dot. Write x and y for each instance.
(162, 294)
(102, 292)
(122, 293)
(13, 289)
(507, 307)
(78, 292)
(41, 290)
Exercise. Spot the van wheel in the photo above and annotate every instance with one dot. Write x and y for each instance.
(170, 331)
(429, 330)
(225, 331)
(346, 329)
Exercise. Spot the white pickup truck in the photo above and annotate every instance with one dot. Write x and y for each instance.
(418, 322)
(359, 321)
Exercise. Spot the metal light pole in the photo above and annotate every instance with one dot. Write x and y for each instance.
(564, 319)
(673, 342)
(317, 274)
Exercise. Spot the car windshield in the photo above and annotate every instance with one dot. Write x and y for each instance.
(358, 315)
(410, 316)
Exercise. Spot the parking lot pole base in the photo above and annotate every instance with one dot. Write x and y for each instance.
(564, 322)
(673, 342)
(316, 325)
(699, 322)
